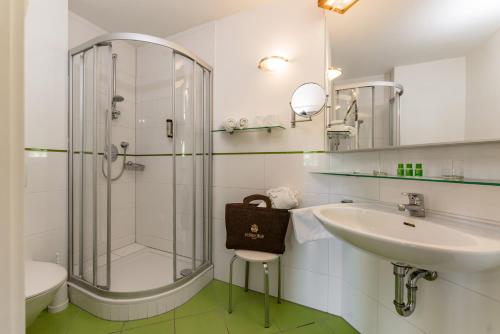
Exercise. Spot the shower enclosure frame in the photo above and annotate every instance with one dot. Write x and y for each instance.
(207, 218)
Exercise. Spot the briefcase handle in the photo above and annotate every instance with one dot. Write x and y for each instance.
(247, 200)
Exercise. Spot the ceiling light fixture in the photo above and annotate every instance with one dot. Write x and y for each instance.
(333, 73)
(273, 63)
(338, 6)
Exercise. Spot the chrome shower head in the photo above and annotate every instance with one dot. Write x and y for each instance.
(118, 98)
(124, 145)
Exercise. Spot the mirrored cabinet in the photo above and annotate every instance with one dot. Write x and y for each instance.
(408, 78)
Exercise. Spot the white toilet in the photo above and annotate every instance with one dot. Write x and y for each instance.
(45, 285)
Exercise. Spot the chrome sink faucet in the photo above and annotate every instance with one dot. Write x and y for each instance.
(415, 207)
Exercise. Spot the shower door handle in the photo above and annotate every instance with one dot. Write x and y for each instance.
(170, 128)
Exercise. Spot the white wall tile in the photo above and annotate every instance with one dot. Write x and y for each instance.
(241, 171)
(466, 200)
(359, 310)
(360, 270)
(390, 323)
(311, 256)
(334, 295)
(46, 171)
(314, 296)
(45, 211)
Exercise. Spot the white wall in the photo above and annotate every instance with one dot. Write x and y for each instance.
(12, 304)
(81, 30)
(483, 100)
(46, 47)
(434, 100)
(294, 30)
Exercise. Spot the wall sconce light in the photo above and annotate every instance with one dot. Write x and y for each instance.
(338, 6)
(333, 73)
(273, 63)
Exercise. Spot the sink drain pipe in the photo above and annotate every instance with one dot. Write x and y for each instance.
(403, 308)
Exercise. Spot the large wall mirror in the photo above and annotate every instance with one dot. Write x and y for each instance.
(414, 72)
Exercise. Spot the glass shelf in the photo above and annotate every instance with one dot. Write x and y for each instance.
(267, 128)
(482, 182)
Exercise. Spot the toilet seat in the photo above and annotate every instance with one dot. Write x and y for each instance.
(42, 277)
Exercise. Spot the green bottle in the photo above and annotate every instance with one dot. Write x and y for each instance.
(400, 171)
(409, 170)
(419, 171)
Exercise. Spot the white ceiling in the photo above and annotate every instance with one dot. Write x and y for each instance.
(156, 17)
(375, 35)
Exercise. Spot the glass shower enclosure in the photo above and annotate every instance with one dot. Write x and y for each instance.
(140, 165)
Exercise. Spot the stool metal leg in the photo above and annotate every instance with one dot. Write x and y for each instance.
(266, 296)
(279, 280)
(230, 307)
(247, 273)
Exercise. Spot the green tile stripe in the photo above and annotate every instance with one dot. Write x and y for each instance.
(33, 149)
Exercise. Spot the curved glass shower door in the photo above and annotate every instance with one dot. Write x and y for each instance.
(140, 165)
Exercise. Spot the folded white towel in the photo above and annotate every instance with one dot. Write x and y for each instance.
(307, 227)
(243, 123)
(283, 198)
(229, 124)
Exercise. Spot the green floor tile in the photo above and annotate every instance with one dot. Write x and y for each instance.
(339, 325)
(202, 302)
(248, 322)
(53, 323)
(220, 291)
(289, 315)
(85, 323)
(314, 328)
(207, 323)
(159, 328)
(206, 313)
(150, 321)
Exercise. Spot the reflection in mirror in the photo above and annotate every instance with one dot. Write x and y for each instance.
(366, 115)
(308, 100)
(444, 54)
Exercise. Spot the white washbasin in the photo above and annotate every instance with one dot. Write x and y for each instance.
(434, 243)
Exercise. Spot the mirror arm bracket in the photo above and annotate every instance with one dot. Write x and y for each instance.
(295, 120)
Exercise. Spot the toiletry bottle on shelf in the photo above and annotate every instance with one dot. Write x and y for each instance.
(419, 171)
(409, 169)
(400, 171)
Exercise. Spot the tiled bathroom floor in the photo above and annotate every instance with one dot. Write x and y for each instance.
(205, 313)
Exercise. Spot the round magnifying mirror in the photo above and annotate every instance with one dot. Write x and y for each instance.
(308, 99)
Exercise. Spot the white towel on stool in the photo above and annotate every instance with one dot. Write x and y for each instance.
(283, 198)
(307, 227)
